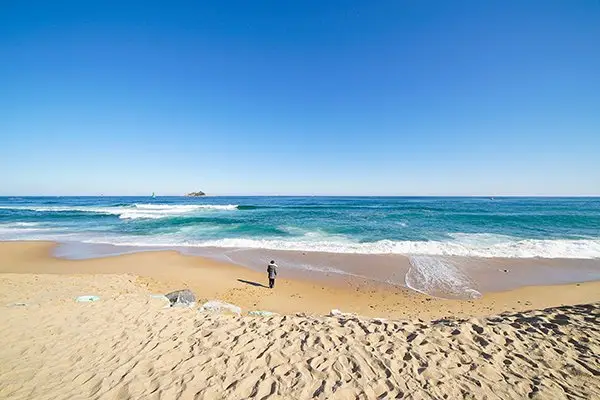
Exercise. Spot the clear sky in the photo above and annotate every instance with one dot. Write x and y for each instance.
(300, 97)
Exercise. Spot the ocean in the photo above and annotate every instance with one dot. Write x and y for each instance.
(421, 228)
(483, 227)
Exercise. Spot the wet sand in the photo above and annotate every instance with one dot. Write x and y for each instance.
(438, 276)
(162, 272)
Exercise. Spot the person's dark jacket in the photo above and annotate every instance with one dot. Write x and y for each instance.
(272, 271)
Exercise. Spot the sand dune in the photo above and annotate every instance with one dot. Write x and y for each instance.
(128, 346)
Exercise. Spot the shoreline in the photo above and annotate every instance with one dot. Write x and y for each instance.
(446, 277)
(164, 271)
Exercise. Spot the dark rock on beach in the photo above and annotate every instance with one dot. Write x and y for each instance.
(181, 298)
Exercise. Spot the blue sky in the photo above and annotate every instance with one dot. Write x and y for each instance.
(307, 97)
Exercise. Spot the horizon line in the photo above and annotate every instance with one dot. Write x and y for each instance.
(314, 195)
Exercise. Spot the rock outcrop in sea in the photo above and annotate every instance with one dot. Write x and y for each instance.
(195, 194)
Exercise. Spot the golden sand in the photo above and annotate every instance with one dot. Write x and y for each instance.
(127, 345)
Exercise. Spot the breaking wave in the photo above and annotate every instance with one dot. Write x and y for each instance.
(515, 228)
(135, 211)
(582, 249)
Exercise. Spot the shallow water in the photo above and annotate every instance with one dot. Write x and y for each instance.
(422, 242)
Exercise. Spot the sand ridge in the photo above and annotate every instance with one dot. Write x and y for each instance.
(128, 346)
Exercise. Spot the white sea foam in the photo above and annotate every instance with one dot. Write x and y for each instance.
(10, 230)
(20, 227)
(136, 211)
(469, 248)
(139, 215)
(13, 232)
(155, 211)
(439, 277)
(467, 245)
(186, 207)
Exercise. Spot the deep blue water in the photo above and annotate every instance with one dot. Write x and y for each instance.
(500, 227)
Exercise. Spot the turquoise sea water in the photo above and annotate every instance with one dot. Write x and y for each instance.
(482, 227)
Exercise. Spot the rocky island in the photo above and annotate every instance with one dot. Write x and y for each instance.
(195, 194)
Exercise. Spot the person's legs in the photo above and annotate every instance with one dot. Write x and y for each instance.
(271, 283)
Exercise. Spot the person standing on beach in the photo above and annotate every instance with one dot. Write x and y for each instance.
(272, 272)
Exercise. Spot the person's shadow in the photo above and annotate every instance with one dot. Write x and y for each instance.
(252, 283)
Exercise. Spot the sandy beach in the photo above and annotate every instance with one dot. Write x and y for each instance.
(300, 200)
(537, 342)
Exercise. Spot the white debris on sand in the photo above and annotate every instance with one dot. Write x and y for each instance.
(216, 306)
(87, 299)
(260, 313)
